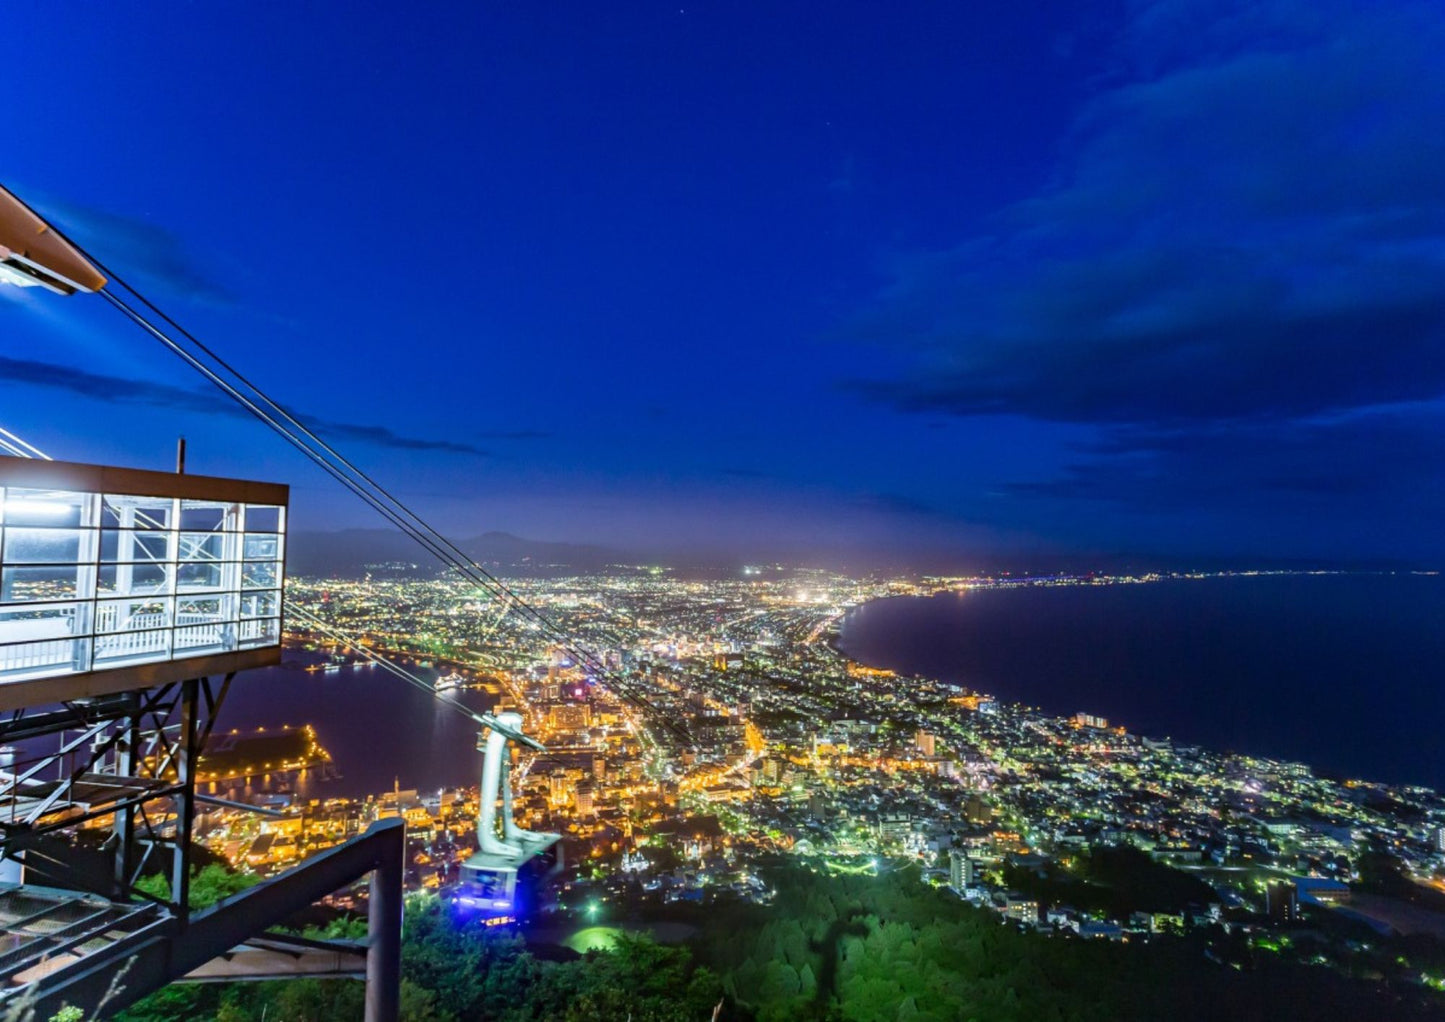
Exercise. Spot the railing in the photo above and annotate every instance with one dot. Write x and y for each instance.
(25, 656)
(122, 644)
(145, 635)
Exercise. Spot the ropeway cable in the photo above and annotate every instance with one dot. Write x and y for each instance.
(429, 539)
(373, 493)
(376, 495)
(19, 448)
(420, 531)
(484, 719)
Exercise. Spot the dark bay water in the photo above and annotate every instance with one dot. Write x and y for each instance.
(379, 730)
(1344, 672)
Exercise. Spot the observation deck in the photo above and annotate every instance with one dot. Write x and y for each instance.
(113, 580)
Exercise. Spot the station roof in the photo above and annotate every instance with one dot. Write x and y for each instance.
(32, 253)
(69, 475)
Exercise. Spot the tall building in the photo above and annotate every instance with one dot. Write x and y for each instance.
(599, 768)
(925, 743)
(584, 799)
(557, 787)
(1282, 901)
(960, 870)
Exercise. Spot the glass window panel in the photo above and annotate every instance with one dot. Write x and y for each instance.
(263, 518)
(133, 615)
(196, 609)
(45, 658)
(264, 604)
(46, 546)
(54, 509)
(206, 546)
(208, 516)
(53, 621)
(133, 647)
(142, 513)
(260, 632)
(125, 545)
(259, 575)
(56, 563)
(133, 579)
(206, 638)
(55, 583)
(262, 548)
(198, 575)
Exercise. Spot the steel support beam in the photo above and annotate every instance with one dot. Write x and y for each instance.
(284, 956)
(383, 953)
(107, 981)
(187, 751)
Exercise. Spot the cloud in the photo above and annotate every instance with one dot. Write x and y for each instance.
(515, 434)
(1248, 224)
(135, 248)
(121, 390)
(1373, 458)
(380, 436)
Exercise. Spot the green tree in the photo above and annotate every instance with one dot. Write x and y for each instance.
(209, 884)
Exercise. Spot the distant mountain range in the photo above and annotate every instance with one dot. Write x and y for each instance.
(351, 553)
(354, 552)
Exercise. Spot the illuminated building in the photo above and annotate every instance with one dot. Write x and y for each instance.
(1021, 909)
(557, 787)
(960, 870)
(894, 826)
(571, 716)
(1282, 901)
(925, 743)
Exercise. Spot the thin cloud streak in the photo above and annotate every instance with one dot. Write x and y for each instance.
(121, 390)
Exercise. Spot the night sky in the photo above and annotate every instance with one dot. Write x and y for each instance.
(924, 281)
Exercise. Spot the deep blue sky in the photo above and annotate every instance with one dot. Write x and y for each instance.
(936, 277)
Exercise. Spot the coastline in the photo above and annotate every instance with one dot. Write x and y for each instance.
(1213, 664)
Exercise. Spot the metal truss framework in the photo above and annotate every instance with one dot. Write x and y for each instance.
(130, 757)
(78, 920)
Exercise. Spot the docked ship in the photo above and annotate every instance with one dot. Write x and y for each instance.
(450, 682)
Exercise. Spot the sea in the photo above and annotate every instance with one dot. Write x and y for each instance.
(381, 732)
(1344, 672)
